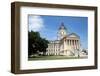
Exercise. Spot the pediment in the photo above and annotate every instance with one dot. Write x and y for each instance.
(73, 35)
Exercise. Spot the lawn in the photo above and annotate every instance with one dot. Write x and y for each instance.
(53, 58)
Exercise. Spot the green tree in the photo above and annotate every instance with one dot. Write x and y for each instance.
(43, 44)
(36, 43)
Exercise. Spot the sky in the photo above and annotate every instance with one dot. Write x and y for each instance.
(48, 26)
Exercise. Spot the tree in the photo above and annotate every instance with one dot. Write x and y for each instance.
(85, 51)
(43, 44)
(36, 43)
(32, 42)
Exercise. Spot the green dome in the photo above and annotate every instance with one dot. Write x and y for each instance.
(62, 26)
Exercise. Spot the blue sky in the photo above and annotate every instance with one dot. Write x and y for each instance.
(48, 26)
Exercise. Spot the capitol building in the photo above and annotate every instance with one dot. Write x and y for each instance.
(65, 44)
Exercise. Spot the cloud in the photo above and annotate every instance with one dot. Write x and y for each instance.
(36, 23)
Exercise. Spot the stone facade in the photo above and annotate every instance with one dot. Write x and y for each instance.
(66, 44)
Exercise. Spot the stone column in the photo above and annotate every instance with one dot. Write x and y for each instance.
(64, 46)
(75, 44)
(69, 42)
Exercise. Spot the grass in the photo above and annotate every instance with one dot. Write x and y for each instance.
(53, 58)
